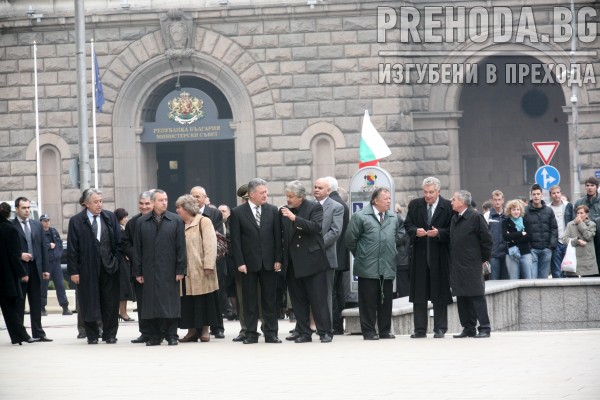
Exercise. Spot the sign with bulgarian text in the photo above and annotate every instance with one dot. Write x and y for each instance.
(185, 115)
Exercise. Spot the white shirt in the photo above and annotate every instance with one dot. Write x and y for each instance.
(433, 206)
(559, 213)
(91, 218)
(254, 207)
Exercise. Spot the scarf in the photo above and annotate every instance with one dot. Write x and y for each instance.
(518, 223)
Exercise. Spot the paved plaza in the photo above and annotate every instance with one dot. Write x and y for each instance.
(509, 365)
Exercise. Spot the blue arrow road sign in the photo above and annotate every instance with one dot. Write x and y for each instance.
(547, 176)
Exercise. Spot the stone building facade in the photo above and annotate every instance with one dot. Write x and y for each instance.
(297, 80)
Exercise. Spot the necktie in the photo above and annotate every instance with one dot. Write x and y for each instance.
(257, 216)
(429, 214)
(28, 237)
(95, 226)
(381, 218)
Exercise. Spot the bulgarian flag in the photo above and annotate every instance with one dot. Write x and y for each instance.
(372, 146)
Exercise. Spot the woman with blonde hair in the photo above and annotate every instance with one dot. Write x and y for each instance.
(199, 301)
(514, 233)
(580, 233)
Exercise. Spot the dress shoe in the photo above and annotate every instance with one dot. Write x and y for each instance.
(66, 310)
(386, 336)
(31, 340)
(295, 335)
(218, 335)
(303, 339)
(371, 337)
(239, 338)
(172, 341)
(189, 338)
(141, 339)
(125, 318)
(20, 342)
(45, 339)
(81, 336)
(464, 334)
(482, 335)
(153, 342)
(326, 338)
(111, 340)
(418, 336)
(272, 339)
(338, 331)
(438, 335)
(92, 341)
(250, 340)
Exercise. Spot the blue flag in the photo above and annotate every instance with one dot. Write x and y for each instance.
(98, 89)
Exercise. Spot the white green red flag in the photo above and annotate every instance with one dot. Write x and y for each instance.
(372, 146)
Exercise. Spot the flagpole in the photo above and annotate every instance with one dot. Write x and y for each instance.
(37, 130)
(94, 116)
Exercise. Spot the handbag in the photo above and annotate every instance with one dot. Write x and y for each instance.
(487, 268)
(514, 252)
(569, 262)
(222, 245)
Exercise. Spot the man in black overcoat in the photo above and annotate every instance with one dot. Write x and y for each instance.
(94, 243)
(428, 225)
(160, 263)
(256, 243)
(470, 247)
(305, 263)
(34, 256)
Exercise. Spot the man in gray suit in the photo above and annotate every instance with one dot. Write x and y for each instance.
(34, 258)
(333, 220)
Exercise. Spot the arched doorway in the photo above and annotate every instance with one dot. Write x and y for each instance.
(498, 125)
(182, 165)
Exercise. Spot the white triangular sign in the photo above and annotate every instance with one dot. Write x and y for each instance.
(546, 150)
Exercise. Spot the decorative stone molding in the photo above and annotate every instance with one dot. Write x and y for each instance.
(319, 128)
(178, 34)
(49, 139)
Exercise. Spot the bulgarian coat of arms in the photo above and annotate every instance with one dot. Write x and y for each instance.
(185, 109)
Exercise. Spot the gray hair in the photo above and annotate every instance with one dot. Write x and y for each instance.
(188, 203)
(377, 192)
(465, 197)
(199, 188)
(255, 183)
(87, 194)
(297, 188)
(343, 194)
(333, 183)
(145, 195)
(432, 181)
(155, 192)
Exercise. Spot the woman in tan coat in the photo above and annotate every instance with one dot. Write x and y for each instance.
(199, 301)
(582, 231)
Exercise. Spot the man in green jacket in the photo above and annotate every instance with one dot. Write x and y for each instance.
(371, 238)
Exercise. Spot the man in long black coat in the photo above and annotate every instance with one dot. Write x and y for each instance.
(428, 225)
(94, 243)
(34, 256)
(470, 247)
(305, 263)
(159, 263)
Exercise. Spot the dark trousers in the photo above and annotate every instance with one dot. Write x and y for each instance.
(309, 293)
(402, 281)
(421, 317)
(109, 308)
(33, 289)
(239, 291)
(12, 319)
(219, 328)
(56, 276)
(339, 300)
(162, 328)
(330, 279)
(268, 300)
(139, 296)
(372, 307)
(472, 309)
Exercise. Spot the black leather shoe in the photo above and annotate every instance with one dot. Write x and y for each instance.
(482, 335)
(326, 338)
(464, 334)
(303, 339)
(239, 338)
(272, 339)
(141, 339)
(386, 336)
(45, 339)
(371, 337)
(81, 336)
(151, 342)
(250, 340)
(338, 331)
(293, 336)
(92, 341)
(112, 340)
(31, 340)
(418, 336)
(438, 335)
(219, 335)
(172, 341)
